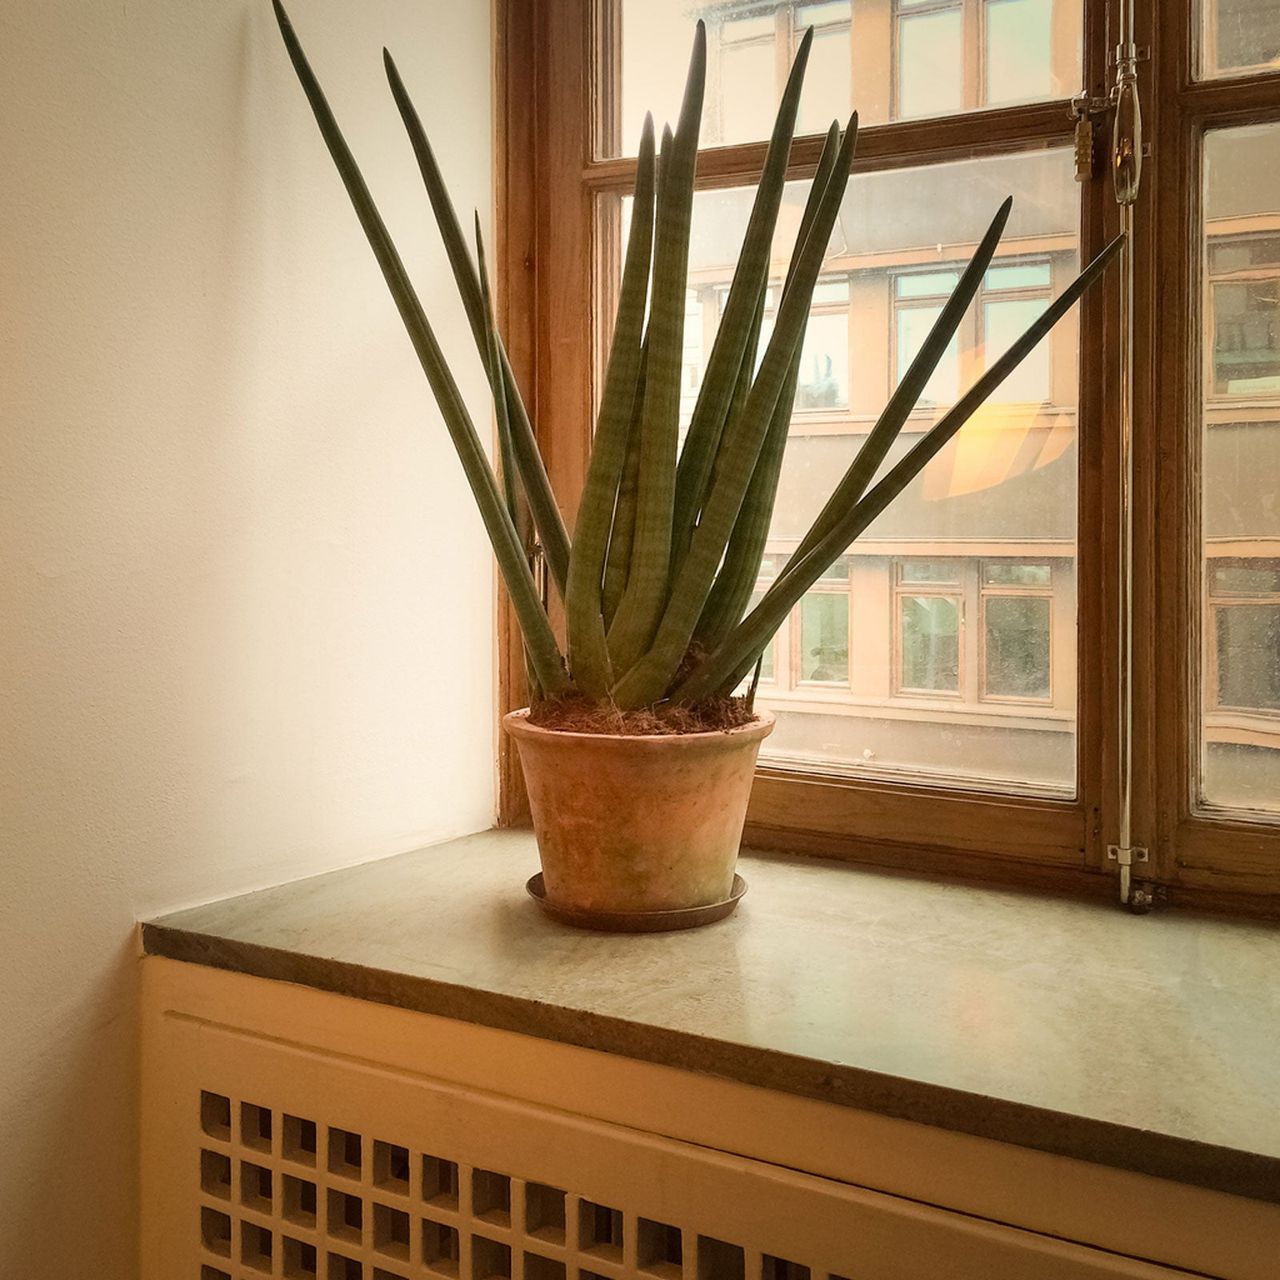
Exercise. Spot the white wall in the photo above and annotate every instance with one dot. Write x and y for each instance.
(246, 602)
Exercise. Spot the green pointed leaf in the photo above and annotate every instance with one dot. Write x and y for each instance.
(904, 399)
(647, 580)
(532, 472)
(648, 679)
(736, 581)
(622, 531)
(539, 639)
(588, 649)
(722, 670)
(697, 459)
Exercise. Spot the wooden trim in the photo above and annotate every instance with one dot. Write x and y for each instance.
(545, 216)
(883, 146)
(850, 815)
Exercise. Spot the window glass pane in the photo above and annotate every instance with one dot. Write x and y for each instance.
(831, 290)
(1238, 36)
(694, 361)
(1248, 638)
(1246, 337)
(747, 29)
(838, 572)
(914, 323)
(888, 60)
(917, 571)
(824, 637)
(817, 15)
(1241, 253)
(1260, 579)
(824, 363)
(1239, 745)
(828, 82)
(996, 574)
(930, 643)
(1004, 323)
(1018, 50)
(926, 284)
(930, 71)
(743, 107)
(1016, 646)
(1009, 478)
(767, 658)
(1022, 275)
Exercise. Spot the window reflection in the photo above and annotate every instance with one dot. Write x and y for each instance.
(1240, 681)
(891, 59)
(943, 643)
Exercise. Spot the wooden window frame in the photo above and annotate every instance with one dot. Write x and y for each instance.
(1204, 856)
(551, 175)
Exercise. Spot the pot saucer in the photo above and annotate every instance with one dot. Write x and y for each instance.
(636, 921)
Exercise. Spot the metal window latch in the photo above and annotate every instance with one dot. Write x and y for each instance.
(1085, 110)
(1139, 898)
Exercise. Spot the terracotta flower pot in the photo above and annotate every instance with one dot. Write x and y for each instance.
(637, 823)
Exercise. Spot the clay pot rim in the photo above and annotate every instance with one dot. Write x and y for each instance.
(516, 723)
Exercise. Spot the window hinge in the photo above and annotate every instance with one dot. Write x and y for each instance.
(1139, 898)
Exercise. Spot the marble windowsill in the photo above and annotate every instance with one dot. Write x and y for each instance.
(1148, 1044)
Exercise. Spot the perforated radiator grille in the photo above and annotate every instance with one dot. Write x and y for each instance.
(288, 1196)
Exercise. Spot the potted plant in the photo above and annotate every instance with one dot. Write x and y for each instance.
(638, 748)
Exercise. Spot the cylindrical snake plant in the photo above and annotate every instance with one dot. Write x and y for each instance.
(658, 577)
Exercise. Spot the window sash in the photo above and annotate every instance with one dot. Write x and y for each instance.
(553, 221)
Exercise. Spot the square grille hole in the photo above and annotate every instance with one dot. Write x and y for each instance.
(390, 1231)
(255, 1126)
(661, 1248)
(536, 1267)
(299, 1259)
(544, 1212)
(440, 1182)
(215, 1231)
(300, 1140)
(212, 1273)
(379, 1274)
(772, 1268)
(600, 1230)
(345, 1154)
(255, 1247)
(215, 1174)
(346, 1216)
(489, 1259)
(215, 1115)
(343, 1268)
(255, 1187)
(439, 1248)
(491, 1197)
(299, 1200)
(720, 1261)
(391, 1167)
